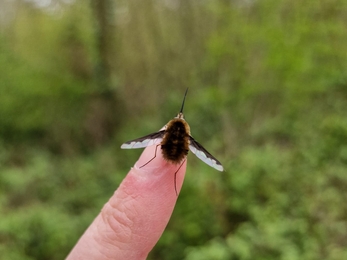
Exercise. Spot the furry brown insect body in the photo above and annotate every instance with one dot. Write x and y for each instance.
(175, 144)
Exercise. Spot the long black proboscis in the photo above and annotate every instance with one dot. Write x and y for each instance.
(184, 99)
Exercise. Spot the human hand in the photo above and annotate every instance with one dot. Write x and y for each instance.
(134, 218)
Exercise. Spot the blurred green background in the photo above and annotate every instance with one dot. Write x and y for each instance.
(268, 98)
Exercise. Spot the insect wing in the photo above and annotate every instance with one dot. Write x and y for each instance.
(144, 141)
(204, 155)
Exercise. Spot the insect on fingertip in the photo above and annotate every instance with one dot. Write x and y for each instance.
(175, 141)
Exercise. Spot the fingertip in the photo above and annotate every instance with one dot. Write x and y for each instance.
(147, 197)
(151, 164)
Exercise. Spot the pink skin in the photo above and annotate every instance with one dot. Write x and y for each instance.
(134, 218)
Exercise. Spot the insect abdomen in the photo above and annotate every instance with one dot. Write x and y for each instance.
(175, 144)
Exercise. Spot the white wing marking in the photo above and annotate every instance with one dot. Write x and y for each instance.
(204, 155)
(148, 140)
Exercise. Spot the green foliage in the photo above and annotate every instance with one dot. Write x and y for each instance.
(267, 96)
(47, 204)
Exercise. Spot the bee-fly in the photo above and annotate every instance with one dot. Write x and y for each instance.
(175, 141)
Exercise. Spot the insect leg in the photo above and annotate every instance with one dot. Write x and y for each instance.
(176, 174)
(155, 154)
